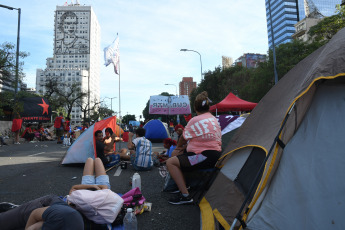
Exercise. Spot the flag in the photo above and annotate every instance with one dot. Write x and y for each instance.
(112, 55)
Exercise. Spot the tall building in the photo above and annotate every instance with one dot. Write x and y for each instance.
(286, 13)
(187, 85)
(77, 53)
(226, 62)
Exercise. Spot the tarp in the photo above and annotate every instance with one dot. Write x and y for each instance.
(156, 131)
(35, 109)
(232, 103)
(301, 186)
(85, 145)
(169, 105)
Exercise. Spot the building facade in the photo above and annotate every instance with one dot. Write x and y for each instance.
(286, 13)
(77, 54)
(226, 62)
(250, 60)
(187, 85)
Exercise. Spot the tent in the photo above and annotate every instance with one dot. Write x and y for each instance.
(232, 103)
(156, 131)
(84, 146)
(298, 127)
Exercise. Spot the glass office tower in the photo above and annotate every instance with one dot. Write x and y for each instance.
(286, 13)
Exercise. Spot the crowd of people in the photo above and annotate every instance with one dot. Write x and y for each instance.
(198, 146)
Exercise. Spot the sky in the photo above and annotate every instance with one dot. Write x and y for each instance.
(151, 35)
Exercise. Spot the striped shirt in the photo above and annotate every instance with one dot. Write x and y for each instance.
(143, 149)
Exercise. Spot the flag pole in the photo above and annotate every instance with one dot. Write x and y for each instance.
(120, 102)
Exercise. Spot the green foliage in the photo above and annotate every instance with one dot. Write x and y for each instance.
(8, 62)
(328, 26)
(127, 118)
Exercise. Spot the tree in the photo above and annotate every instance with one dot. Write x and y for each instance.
(127, 118)
(328, 26)
(102, 112)
(8, 62)
(86, 108)
(62, 94)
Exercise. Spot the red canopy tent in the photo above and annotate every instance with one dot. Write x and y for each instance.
(232, 103)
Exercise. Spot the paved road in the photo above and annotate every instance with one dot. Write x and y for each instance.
(31, 170)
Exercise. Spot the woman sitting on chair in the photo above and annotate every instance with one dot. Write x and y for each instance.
(204, 138)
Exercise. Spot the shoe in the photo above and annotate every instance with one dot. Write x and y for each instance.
(180, 199)
(17, 143)
(177, 190)
(5, 206)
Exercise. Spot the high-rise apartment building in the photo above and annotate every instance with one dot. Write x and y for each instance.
(187, 85)
(286, 13)
(77, 54)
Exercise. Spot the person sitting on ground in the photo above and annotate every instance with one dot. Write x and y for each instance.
(49, 135)
(168, 144)
(141, 150)
(204, 138)
(40, 130)
(16, 127)
(28, 134)
(52, 212)
(109, 144)
(108, 160)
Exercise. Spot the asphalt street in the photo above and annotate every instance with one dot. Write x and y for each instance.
(32, 170)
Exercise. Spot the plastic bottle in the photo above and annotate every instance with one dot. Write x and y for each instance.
(136, 181)
(130, 220)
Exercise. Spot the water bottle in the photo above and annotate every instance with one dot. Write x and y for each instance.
(136, 181)
(130, 220)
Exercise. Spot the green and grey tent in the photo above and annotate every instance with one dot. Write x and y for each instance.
(294, 144)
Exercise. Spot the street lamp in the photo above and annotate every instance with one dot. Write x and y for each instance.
(111, 103)
(184, 50)
(175, 87)
(17, 52)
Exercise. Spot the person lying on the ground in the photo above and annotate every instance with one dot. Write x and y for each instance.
(52, 212)
(168, 144)
(109, 141)
(110, 159)
(48, 212)
(204, 138)
(140, 150)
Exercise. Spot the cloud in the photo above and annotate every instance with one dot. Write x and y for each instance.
(151, 36)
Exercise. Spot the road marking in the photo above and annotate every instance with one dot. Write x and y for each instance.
(118, 171)
(36, 154)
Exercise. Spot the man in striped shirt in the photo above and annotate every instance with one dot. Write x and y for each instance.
(141, 150)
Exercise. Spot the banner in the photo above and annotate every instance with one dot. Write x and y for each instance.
(36, 109)
(169, 105)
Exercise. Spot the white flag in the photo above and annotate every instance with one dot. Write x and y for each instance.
(112, 55)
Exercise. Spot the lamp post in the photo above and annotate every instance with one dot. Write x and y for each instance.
(111, 103)
(184, 50)
(175, 87)
(17, 52)
(273, 46)
(88, 95)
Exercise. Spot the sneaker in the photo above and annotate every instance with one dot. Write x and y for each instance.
(180, 199)
(5, 206)
(17, 143)
(177, 190)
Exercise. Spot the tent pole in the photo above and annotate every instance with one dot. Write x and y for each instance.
(262, 167)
